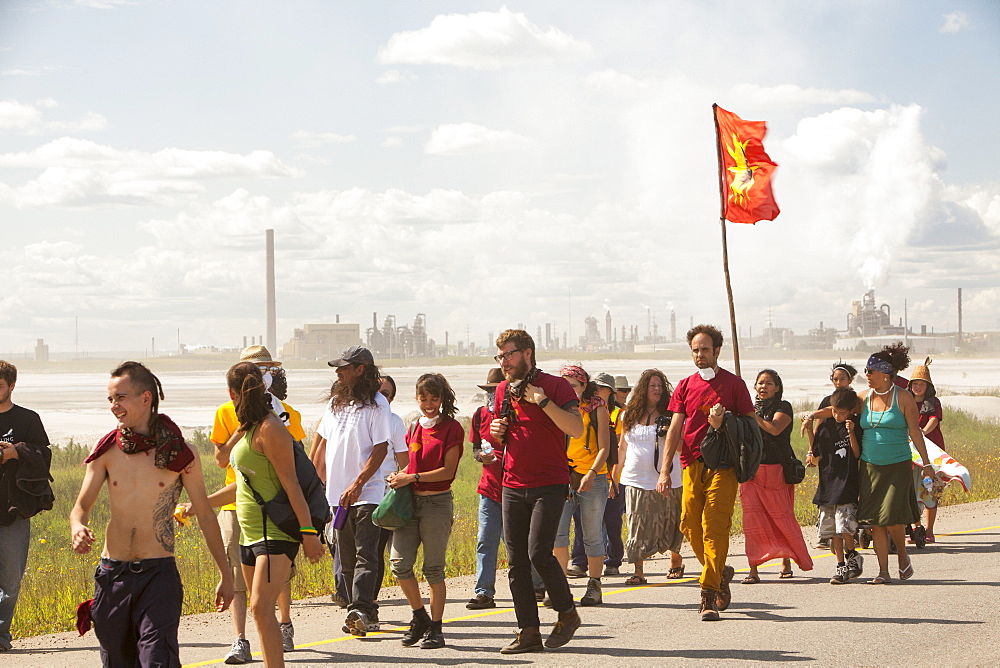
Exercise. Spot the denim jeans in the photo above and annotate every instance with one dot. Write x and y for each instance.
(358, 545)
(613, 515)
(530, 519)
(487, 545)
(591, 504)
(14, 541)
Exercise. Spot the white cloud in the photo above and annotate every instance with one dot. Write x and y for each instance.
(403, 129)
(36, 71)
(790, 95)
(392, 142)
(483, 41)
(305, 139)
(954, 22)
(462, 138)
(27, 119)
(81, 173)
(394, 77)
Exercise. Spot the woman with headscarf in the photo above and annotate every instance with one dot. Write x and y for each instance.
(890, 420)
(587, 456)
(769, 523)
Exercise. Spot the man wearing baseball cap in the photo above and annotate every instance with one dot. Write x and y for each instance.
(354, 439)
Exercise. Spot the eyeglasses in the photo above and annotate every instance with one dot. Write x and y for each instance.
(507, 355)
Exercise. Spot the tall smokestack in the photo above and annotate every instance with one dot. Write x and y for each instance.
(269, 316)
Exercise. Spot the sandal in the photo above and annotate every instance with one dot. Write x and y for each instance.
(675, 572)
(786, 575)
(635, 580)
(906, 573)
(882, 579)
(751, 579)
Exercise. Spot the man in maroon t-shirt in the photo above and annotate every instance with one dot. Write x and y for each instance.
(533, 412)
(709, 495)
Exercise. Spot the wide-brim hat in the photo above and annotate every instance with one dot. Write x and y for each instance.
(923, 372)
(605, 380)
(621, 383)
(257, 355)
(354, 355)
(493, 378)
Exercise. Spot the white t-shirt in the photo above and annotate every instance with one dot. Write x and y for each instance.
(639, 469)
(351, 434)
(397, 444)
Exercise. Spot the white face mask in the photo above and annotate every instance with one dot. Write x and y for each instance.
(707, 374)
(267, 381)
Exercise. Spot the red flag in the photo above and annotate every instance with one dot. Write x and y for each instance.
(745, 170)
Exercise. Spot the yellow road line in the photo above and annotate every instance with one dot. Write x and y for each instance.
(497, 611)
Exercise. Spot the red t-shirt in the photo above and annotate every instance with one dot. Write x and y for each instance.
(427, 450)
(935, 435)
(694, 398)
(535, 448)
(489, 481)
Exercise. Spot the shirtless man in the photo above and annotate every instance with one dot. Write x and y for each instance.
(137, 596)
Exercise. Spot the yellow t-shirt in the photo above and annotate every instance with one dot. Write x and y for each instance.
(583, 451)
(226, 424)
(616, 420)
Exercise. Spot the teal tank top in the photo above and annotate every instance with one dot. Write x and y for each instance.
(245, 460)
(885, 439)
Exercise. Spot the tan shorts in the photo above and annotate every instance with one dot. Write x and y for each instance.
(229, 524)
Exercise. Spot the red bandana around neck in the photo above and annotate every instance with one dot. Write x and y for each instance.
(171, 452)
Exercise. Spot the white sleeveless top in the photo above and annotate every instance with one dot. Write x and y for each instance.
(639, 469)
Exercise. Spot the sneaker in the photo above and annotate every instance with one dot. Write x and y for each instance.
(481, 602)
(527, 640)
(339, 600)
(725, 593)
(540, 594)
(434, 638)
(565, 627)
(420, 624)
(357, 623)
(855, 565)
(239, 653)
(842, 576)
(709, 611)
(575, 571)
(593, 595)
(611, 570)
(547, 601)
(287, 636)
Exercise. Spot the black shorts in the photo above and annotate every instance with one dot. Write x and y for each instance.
(249, 553)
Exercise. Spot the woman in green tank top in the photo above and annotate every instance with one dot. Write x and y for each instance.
(264, 458)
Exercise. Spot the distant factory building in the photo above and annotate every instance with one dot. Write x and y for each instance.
(323, 341)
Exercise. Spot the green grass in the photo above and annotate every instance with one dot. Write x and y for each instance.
(57, 578)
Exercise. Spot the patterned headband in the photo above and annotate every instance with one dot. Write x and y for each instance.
(880, 365)
(576, 372)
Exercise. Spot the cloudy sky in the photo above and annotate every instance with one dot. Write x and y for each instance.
(482, 163)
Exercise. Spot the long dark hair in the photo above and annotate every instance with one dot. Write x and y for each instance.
(436, 385)
(247, 383)
(777, 381)
(362, 392)
(637, 405)
(144, 379)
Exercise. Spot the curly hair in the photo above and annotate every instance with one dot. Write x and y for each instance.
(638, 406)
(144, 379)
(711, 330)
(897, 355)
(362, 392)
(8, 372)
(436, 385)
(247, 383)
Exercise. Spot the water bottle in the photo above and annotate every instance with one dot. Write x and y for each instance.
(928, 483)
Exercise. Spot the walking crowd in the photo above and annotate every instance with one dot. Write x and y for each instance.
(556, 450)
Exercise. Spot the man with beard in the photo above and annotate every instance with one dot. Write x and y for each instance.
(533, 412)
(354, 439)
(709, 495)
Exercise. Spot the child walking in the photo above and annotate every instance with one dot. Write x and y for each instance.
(435, 443)
(835, 448)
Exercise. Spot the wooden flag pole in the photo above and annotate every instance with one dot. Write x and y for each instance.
(725, 248)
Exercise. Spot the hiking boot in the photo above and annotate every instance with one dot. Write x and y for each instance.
(575, 571)
(239, 653)
(434, 638)
(612, 571)
(842, 576)
(481, 602)
(593, 595)
(287, 636)
(357, 623)
(527, 640)
(725, 595)
(709, 611)
(419, 626)
(855, 565)
(565, 627)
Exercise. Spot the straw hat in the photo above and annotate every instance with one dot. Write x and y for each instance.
(923, 372)
(493, 378)
(257, 355)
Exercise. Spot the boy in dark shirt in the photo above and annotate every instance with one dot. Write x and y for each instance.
(835, 448)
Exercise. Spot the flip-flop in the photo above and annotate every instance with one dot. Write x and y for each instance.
(786, 575)
(675, 572)
(751, 580)
(881, 579)
(906, 573)
(635, 580)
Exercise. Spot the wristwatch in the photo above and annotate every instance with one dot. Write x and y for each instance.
(416, 477)
(543, 403)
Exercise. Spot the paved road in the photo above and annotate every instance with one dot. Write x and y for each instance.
(946, 614)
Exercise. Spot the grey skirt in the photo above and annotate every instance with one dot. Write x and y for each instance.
(886, 495)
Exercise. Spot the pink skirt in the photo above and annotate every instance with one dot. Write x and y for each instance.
(769, 523)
